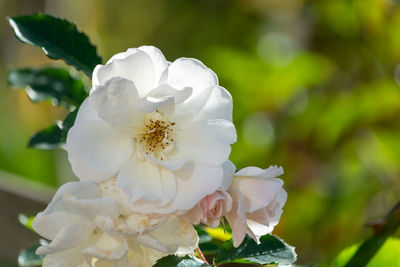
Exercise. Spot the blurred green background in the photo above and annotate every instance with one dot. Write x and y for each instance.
(315, 86)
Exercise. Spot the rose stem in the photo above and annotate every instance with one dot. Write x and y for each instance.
(201, 255)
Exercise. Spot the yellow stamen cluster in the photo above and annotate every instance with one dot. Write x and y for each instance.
(156, 137)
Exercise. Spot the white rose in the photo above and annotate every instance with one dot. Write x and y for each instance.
(162, 129)
(84, 226)
(258, 198)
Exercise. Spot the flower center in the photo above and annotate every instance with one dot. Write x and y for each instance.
(157, 136)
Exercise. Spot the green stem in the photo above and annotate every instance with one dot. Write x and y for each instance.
(371, 246)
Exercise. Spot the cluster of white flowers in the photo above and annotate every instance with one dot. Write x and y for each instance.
(151, 148)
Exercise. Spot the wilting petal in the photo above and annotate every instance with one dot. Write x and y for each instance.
(207, 142)
(134, 65)
(116, 102)
(97, 150)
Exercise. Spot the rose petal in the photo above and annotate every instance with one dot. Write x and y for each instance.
(211, 103)
(96, 151)
(237, 218)
(69, 236)
(207, 142)
(86, 112)
(177, 235)
(144, 180)
(258, 193)
(134, 64)
(108, 247)
(194, 182)
(189, 72)
(116, 102)
(160, 64)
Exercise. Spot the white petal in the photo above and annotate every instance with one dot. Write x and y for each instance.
(271, 172)
(66, 258)
(258, 193)
(177, 235)
(68, 237)
(149, 104)
(96, 150)
(211, 103)
(189, 72)
(108, 247)
(81, 190)
(90, 208)
(237, 218)
(134, 65)
(144, 180)
(163, 90)
(116, 102)
(86, 112)
(229, 169)
(160, 64)
(49, 225)
(194, 183)
(207, 142)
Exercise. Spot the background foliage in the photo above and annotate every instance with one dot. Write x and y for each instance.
(315, 86)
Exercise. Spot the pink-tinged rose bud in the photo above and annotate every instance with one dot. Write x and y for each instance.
(258, 198)
(210, 209)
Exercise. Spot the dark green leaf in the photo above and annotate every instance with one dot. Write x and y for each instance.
(207, 243)
(270, 250)
(175, 261)
(26, 221)
(68, 123)
(55, 135)
(49, 83)
(28, 257)
(49, 138)
(59, 39)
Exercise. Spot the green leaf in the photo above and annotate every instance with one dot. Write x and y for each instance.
(68, 123)
(55, 135)
(387, 255)
(207, 243)
(59, 39)
(26, 221)
(28, 258)
(371, 246)
(49, 138)
(270, 250)
(175, 261)
(49, 83)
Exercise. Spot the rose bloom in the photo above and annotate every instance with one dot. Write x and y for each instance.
(162, 130)
(257, 201)
(210, 209)
(86, 227)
